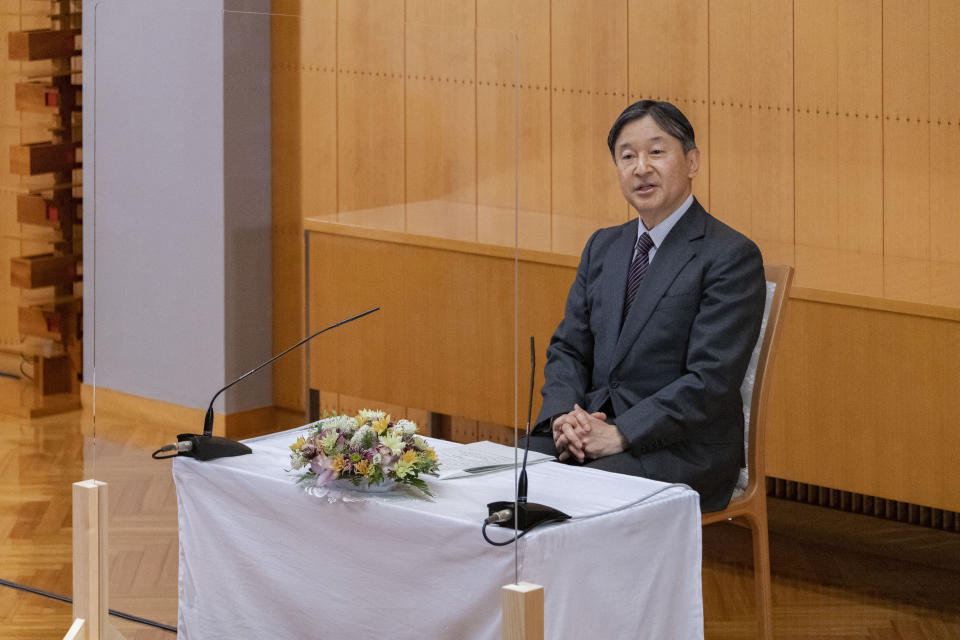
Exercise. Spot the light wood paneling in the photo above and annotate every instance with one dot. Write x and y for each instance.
(303, 120)
(370, 111)
(513, 38)
(440, 135)
(944, 130)
(816, 125)
(431, 341)
(837, 132)
(863, 400)
(751, 117)
(447, 321)
(682, 76)
(906, 135)
(589, 84)
(860, 132)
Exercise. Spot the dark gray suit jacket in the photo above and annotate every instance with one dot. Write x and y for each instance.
(672, 373)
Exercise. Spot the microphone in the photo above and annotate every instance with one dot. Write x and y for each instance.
(207, 446)
(526, 515)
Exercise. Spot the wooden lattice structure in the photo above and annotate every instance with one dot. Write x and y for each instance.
(46, 162)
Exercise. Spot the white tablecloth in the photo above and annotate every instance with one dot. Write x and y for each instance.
(262, 560)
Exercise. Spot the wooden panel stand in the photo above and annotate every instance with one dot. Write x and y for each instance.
(44, 97)
(43, 157)
(522, 611)
(78, 630)
(42, 270)
(42, 44)
(90, 563)
(45, 212)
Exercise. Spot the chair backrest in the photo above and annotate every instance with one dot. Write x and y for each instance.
(755, 387)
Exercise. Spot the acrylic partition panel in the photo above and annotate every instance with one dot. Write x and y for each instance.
(414, 145)
(179, 260)
(259, 171)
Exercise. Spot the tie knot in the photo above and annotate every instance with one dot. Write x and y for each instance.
(644, 243)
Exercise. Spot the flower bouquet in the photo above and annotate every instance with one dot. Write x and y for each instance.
(367, 450)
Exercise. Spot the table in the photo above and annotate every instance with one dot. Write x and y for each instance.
(260, 558)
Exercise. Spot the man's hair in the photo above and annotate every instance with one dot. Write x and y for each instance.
(667, 117)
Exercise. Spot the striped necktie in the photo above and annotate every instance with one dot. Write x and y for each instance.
(638, 268)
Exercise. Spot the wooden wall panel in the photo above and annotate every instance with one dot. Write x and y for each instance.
(440, 131)
(304, 122)
(771, 100)
(836, 419)
(816, 126)
(589, 83)
(906, 135)
(682, 77)
(370, 112)
(860, 131)
(432, 345)
(513, 37)
(751, 116)
(944, 131)
(317, 147)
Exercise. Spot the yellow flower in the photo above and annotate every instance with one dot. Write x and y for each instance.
(381, 425)
(296, 446)
(403, 469)
(409, 456)
(432, 454)
(363, 467)
(336, 463)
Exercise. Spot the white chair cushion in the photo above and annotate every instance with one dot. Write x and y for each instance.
(746, 390)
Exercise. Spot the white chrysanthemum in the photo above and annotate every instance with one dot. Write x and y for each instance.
(392, 441)
(407, 427)
(360, 435)
(420, 443)
(368, 415)
(329, 442)
(343, 424)
(377, 458)
(297, 461)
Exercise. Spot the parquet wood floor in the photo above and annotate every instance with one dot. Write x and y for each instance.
(835, 575)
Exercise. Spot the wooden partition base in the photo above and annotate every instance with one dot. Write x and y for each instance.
(90, 564)
(522, 611)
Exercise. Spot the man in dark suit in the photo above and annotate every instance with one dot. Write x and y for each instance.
(643, 374)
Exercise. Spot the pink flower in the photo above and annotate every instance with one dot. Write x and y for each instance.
(320, 465)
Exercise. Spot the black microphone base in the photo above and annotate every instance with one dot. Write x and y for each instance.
(529, 514)
(212, 447)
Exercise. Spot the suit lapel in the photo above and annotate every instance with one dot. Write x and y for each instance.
(615, 266)
(679, 247)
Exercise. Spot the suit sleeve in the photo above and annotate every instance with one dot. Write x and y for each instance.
(570, 354)
(721, 340)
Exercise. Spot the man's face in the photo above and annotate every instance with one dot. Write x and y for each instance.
(655, 174)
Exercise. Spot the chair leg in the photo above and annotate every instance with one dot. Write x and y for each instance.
(761, 576)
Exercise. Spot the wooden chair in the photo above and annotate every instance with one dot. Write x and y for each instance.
(750, 506)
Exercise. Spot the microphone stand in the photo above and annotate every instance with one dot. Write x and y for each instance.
(522, 514)
(207, 446)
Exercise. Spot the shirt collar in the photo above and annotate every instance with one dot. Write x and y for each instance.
(659, 233)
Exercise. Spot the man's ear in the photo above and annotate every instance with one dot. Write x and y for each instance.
(693, 162)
